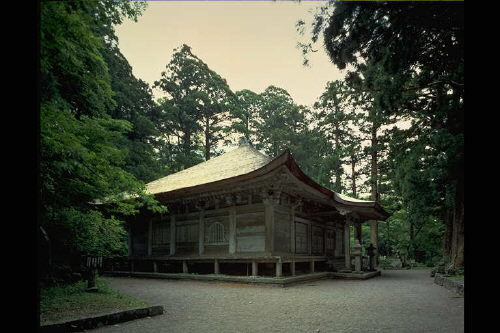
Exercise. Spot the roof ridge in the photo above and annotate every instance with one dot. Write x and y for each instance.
(251, 156)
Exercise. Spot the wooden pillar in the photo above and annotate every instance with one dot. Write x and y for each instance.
(150, 237)
(269, 222)
(270, 198)
(155, 267)
(339, 237)
(374, 240)
(292, 268)
(347, 246)
(311, 266)
(357, 232)
(309, 239)
(184, 267)
(292, 229)
(216, 267)
(172, 234)
(255, 268)
(279, 268)
(359, 246)
(201, 234)
(232, 229)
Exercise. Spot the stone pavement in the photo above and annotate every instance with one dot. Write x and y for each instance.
(397, 301)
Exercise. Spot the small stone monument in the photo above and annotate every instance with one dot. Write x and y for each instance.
(357, 257)
(92, 263)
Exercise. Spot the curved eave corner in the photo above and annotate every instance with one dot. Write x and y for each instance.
(354, 203)
(272, 165)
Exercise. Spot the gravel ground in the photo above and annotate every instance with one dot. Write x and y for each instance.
(397, 301)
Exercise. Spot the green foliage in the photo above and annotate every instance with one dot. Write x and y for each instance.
(335, 120)
(197, 104)
(66, 302)
(134, 103)
(408, 60)
(84, 152)
(245, 114)
(71, 64)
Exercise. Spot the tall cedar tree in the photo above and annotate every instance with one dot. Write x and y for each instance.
(419, 46)
(197, 104)
(336, 118)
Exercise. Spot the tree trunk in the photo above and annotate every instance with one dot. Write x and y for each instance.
(374, 165)
(338, 169)
(187, 143)
(353, 177)
(448, 232)
(207, 139)
(411, 246)
(457, 240)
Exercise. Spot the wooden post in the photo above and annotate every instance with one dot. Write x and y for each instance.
(269, 222)
(309, 238)
(155, 267)
(184, 267)
(359, 246)
(357, 229)
(201, 234)
(172, 234)
(374, 240)
(232, 229)
(292, 268)
(311, 266)
(339, 247)
(270, 199)
(150, 237)
(216, 267)
(292, 229)
(279, 268)
(255, 268)
(347, 246)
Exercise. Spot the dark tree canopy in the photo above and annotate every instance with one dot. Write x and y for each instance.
(409, 58)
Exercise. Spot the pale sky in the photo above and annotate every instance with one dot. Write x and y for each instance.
(250, 44)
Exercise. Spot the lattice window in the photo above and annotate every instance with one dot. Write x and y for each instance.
(215, 234)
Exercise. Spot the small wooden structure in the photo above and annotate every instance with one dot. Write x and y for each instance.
(244, 207)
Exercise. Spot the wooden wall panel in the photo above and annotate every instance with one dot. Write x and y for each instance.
(250, 232)
(282, 231)
(186, 238)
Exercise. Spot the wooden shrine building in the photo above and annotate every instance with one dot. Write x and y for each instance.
(245, 208)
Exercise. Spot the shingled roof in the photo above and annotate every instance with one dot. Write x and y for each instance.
(239, 161)
(240, 164)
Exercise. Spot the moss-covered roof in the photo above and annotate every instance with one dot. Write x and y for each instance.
(239, 161)
(244, 163)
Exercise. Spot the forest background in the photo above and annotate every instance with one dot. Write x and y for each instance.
(102, 133)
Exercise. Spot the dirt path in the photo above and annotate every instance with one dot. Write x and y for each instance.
(397, 301)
